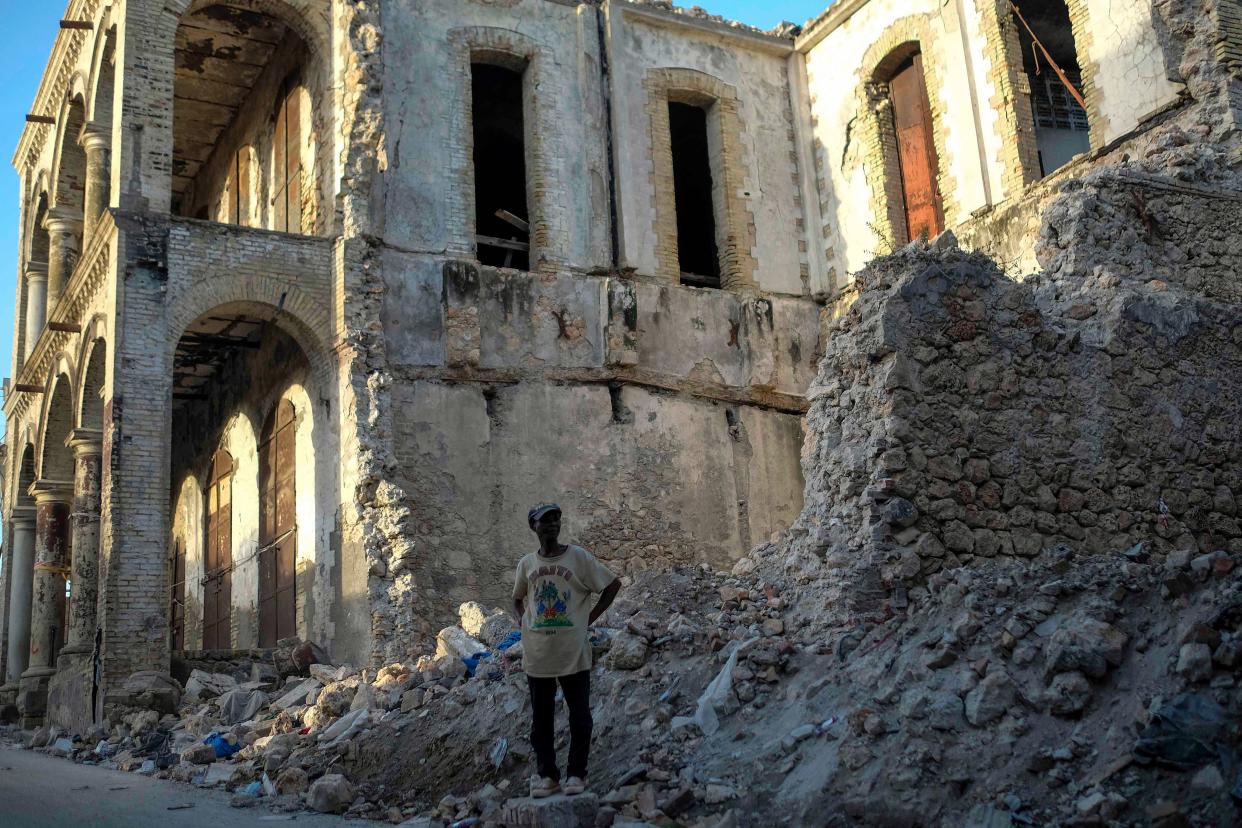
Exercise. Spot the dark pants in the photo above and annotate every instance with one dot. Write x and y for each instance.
(577, 689)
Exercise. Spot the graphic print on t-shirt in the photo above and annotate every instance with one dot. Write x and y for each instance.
(551, 606)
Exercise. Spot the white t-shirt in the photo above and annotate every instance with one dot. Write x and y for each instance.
(557, 592)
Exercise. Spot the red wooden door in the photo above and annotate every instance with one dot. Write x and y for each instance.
(916, 151)
(277, 528)
(218, 560)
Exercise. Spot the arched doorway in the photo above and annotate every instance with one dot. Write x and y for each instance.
(218, 557)
(912, 141)
(278, 537)
(247, 487)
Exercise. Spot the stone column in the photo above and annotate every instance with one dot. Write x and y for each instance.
(98, 177)
(22, 525)
(47, 607)
(64, 230)
(87, 445)
(71, 692)
(36, 304)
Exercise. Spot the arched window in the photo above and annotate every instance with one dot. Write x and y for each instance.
(218, 556)
(237, 201)
(912, 148)
(278, 537)
(287, 159)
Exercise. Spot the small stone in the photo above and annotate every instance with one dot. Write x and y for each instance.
(801, 732)
(1069, 694)
(1194, 662)
(331, 794)
(199, 755)
(772, 626)
(628, 651)
(990, 699)
(1208, 779)
(715, 794)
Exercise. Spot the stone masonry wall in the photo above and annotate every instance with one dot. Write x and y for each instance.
(960, 413)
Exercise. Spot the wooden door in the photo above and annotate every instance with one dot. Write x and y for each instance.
(916, 151)
(218, 555)
(176, 599)
(277, 528)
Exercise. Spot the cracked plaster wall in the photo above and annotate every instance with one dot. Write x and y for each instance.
(1132, 75)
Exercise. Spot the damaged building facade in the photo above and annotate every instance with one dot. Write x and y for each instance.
(317, 297)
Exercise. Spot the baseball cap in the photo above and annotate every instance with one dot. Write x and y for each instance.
(540, 511)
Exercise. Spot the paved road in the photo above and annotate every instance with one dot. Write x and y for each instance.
(38, 790)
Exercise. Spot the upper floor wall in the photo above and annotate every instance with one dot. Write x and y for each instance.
(926, 112)
(555, 135)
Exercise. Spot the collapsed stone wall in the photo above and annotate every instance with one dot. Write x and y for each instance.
(960, 414)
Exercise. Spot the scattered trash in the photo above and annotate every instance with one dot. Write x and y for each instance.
(498, 752)
(224, 748)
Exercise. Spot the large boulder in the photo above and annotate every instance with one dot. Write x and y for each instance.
(489, 626)
(203, 685)
(456, 642)
(1088, 646)
(990, 699)
(331, 794)
(628, 651)
(149, 689)
(551, 812)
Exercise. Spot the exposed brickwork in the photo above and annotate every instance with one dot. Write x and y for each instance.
(880, 161)
(735, 224)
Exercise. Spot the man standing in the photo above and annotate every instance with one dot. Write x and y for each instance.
(551, 598)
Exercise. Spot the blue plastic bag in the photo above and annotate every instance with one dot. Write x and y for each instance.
(224, 748)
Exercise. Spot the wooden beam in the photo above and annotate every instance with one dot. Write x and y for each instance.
(27, 388)
(80, 25)
(503, 244)
(64, 327)
(521, 224)
(40, 119)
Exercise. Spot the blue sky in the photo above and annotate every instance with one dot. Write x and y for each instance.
(30, 30)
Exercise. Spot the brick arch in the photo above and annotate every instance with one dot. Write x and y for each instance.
(897, 43)
(290, 309)
(306, 17)
(99, 109)
(69, 159)
(309, 19)
(54, 458)
(92, 361)
(544, 199)
(735, 224)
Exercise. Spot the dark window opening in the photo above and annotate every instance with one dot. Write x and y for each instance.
(501, 220)
(1061, 127)
(692, 189)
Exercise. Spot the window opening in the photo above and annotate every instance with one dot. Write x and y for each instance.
(287, 161)
(916, 150)
(1050, 60)
(238, 189)
(501, 213)
(697, 256)
(277, 527)
(218, 560)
